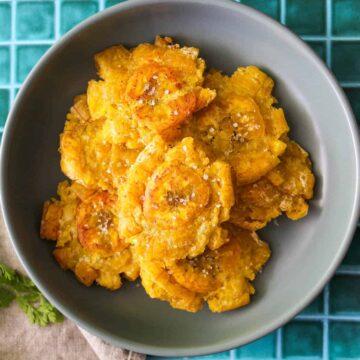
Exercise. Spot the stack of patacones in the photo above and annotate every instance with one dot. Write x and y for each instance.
(172, 170)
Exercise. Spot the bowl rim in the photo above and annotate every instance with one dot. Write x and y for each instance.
(235, 341)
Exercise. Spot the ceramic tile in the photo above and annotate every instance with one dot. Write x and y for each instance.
(345, 19)
(345, 295)
(344, 340)
(303, 339)
(346, 60)
(319, 47)
(35, 20)
(316, 307)
(73, 12)
(306, 17)
(26, 58)
(4, 105)
(4, 65)
(5, 20)
(264, 348)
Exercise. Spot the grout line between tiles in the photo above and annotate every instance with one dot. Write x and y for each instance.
(279, 343)
(57, 35)
(326, 322)
(283, 11)
(348, 270)
(353, 318)
(328, 32)
(101, 5)
(26, 42)
(12, 53)
(57, 19)
(350, 84)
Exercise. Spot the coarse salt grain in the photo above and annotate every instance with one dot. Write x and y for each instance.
(211, 129)
(167, 91)
(235, 125)
(205, 176)
(176, 113)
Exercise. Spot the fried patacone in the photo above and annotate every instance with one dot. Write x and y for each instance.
(149, 90)
(284, 189)
(86, 155)
(174, 201)
(85, 228)
(222, 277)
(241, 126)
(172, 172)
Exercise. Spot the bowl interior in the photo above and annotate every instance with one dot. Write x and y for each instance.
(304, 252)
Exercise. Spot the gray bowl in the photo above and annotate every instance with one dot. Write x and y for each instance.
(305, 253)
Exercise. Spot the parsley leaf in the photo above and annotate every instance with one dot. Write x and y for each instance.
(15, 286)
(6, 297)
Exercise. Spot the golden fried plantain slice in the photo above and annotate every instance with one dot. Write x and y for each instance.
(85, 227)
(49, 227)
(284, 189)
(174, 201)
(223, 276)
(159, 284)
(238, 261)
(87, 154)
(148, 90)
(241, 126)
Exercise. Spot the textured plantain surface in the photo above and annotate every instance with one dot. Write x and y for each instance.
(172, 170)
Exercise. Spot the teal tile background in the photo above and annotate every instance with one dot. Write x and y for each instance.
(319, 47)
(346, 17)
(5, 20)
(264, 348)
(73, 12)
(329, 328)
(303, 339)
(35, 20)
(26, 57)
(4, 105)
(4, 65)
(346, 60)
(306, 17)
(345, 295)
(344, 340)
(316, 307)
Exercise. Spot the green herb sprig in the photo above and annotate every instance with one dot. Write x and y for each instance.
(18, 287)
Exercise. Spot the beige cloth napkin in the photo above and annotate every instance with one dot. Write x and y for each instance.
(20, 340)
